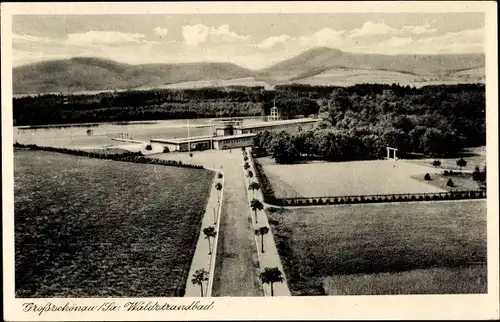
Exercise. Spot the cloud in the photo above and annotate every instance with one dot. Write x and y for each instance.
(371, 29)
(273, 41)
(419, 30)
(324, 37)
(104, 37)
(395, 42)
(161, 32)
(469, 40)
(202, 34)
(17, 38)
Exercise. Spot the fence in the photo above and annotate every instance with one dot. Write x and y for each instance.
(404, 197)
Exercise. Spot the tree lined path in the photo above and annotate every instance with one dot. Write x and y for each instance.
(202, 257)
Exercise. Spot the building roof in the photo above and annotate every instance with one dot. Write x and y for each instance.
(273, 123)
(192, 139)
(231, 137)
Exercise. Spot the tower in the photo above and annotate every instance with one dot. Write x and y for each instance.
(274, 115)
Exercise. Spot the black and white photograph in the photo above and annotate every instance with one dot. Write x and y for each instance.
(172, 159)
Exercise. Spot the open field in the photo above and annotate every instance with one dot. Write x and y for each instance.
(353, 76)
(347, 178)
(347, 241)
(244, 81)
(88, 227)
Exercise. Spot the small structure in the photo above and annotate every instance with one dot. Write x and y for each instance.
(195, 143)
(232, 141)
(394, 150)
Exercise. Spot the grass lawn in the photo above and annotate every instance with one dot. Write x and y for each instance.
(347, 178)
(349, 240)
(88, 227)
(467, 279)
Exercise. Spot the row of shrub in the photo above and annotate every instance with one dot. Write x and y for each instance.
(375, 199)
(265, 186)
(135, 157)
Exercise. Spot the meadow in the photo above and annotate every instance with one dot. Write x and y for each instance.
(347, 178)
(353, 76)
(424, 247)
(88, 227)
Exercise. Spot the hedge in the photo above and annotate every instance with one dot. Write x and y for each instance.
(135, 157)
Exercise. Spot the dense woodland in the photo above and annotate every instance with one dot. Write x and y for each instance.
(359, 121)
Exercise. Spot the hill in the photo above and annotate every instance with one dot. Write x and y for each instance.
(319, 60)
(318, 66)
(90, 74)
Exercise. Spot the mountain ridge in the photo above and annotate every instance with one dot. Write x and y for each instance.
(92, 73)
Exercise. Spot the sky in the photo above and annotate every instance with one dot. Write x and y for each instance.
(250, 40)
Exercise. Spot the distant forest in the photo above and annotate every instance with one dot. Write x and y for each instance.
(436, 119)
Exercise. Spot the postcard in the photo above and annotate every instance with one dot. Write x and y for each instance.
(249, 160)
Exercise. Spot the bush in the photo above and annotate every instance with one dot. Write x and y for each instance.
(250, 174)
(427, 177)
(166, 149)
(436, 163)
(245, 158)
(445, 172)
(450, 183)
(219, 175)
(149, 147)
(413, 198)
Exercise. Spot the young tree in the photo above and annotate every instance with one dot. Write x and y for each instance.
(461, 163)
(427, 177)
(271, 276)
(209, 233)
(256, 205)
(199, 276)
(246, 166)
(476, 175)
(261, 232)
(254, 186)
(218, 186)
(450, 183)
(250, 173)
